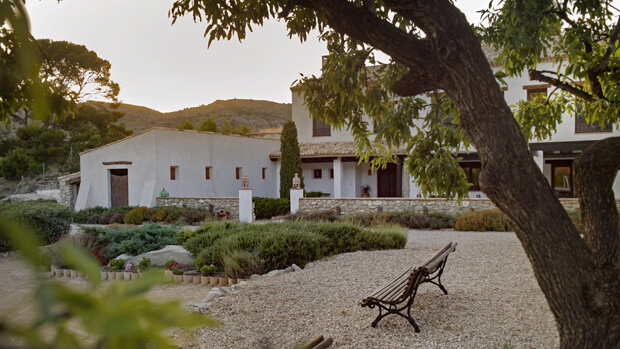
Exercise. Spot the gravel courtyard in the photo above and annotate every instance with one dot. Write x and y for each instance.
(494, 300)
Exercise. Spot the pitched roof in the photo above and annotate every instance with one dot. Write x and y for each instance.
(317, 150)
(176, 130)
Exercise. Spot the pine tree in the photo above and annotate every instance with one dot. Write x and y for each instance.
(186, 125)
(208, 125)
(290, 158)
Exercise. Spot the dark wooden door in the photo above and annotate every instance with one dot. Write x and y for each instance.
(387, 182)
(119, 187)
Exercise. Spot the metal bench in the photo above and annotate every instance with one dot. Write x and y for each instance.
(399, 294)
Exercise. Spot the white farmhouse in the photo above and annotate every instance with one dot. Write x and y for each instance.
(330, 164)
(137, 169)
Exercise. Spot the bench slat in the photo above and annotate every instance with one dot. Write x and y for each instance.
(404, 286)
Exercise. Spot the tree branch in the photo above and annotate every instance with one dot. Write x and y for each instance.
(595, 171)
(362, 25)
(539, 76)
(610, 49)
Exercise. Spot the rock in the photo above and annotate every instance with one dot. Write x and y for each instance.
(287, 270)
(254, 276)
(295, 267)
(308, 265)
(125, 257)
(242, 283)
(212, 295)
(202, 307)
(274, 273)
(160, 257)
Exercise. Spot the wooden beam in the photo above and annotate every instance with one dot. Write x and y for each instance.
(117, 163)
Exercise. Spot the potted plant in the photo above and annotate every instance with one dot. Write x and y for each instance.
(115, 269)
(207, 271)
(143, 266)
(104, 272)
(176, 269)
(128, 270)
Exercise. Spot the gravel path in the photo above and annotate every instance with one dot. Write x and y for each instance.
(494, 300)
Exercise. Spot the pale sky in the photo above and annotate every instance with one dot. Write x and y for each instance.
(168, 67)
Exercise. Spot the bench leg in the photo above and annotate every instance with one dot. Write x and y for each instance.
(396, 312)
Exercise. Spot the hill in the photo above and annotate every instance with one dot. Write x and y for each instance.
(254, 113)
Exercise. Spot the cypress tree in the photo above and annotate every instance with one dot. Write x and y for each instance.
(290, 159)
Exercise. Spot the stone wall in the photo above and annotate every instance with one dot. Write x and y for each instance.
(350, 206)
(67, 186)
(219, 204)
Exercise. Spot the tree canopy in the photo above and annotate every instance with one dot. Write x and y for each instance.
(433, 49)
(208, 125)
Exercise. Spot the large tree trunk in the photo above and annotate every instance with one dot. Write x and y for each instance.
(583, 295)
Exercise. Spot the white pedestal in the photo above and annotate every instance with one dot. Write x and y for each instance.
(296, 194)
(246, 214)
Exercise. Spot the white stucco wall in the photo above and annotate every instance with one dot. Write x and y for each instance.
(152, 152)
(514, 93)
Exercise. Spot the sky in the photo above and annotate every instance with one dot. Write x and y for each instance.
(169, 67)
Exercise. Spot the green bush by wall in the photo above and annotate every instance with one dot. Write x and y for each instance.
(48, 219)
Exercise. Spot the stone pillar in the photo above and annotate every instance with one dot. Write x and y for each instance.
(296, 194)
(337, 178)
(246, 214)
(278, 166)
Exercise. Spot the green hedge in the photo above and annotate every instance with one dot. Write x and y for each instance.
(278, 245)
(48, 219)
(409, 220)
(169, 215)
(134, 241)
(487, 220)
(101, 215)
(265, 208)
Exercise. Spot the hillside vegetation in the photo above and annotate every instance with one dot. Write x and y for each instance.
(254, 113)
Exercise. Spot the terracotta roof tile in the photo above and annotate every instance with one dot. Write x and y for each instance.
(316, 150)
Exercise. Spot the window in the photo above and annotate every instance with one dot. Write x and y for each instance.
(264, 172)
(173, 172)
(562, 177)
(318, 173)
(331, 173)
(472, 171)
(320, 128)
(237, 172)
(208, 172)
(537, 95)
(582, 125)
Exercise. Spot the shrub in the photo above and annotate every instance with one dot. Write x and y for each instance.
(242, 264)
(313, 194)
(314, 216)
(133, 241)
(265, 208)
(17, 163)
(487, 220)
(116, 265)
(48, 219)
(55, 255)
(199, 263)
(136, 216)
(277, 245)
(288, 247)
(144, 264)
(208, 270)
(84, 216)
